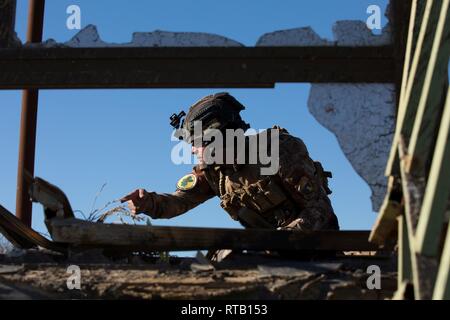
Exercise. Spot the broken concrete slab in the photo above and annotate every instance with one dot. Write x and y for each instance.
(350, 33)
(159, 38)
(14, 42)
(293, 37)
(10, 293)
(152, 281)
(293, 268)
(88, 37)
(355, 33)
(362, 116)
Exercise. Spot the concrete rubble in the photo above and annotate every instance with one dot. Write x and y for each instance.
(41, 276)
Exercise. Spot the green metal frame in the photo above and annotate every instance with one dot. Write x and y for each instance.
(420, 157)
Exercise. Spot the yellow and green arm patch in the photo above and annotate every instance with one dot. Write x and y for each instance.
(187, 182)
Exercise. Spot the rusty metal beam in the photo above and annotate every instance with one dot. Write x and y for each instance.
(7, 22)
(27, 144)
(127, 67)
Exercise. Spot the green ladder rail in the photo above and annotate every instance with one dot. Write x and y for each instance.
(416, 206)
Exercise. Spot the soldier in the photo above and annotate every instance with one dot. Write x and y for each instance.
(295, 197)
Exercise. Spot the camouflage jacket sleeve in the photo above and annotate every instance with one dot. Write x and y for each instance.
(167, 206)
(297, 172)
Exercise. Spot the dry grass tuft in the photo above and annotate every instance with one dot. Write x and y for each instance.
(112, 209)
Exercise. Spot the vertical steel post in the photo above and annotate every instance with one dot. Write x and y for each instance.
(28, 121)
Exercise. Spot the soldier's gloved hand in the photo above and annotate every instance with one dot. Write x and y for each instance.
(139, 201)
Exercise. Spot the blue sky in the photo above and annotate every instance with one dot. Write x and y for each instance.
(122, 137)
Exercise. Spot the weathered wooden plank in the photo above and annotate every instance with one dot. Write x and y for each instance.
(415, 80)
(432, 98)
(155, 238)
(127, 67)
(23, 236)
(437, 192)
(7, 22)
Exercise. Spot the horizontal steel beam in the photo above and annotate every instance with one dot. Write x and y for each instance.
(207, 67)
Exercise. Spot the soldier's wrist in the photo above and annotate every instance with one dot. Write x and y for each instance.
(148, 207)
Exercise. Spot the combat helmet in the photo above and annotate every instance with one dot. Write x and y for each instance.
(218, 111)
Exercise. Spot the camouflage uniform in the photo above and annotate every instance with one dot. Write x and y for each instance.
(296, 197)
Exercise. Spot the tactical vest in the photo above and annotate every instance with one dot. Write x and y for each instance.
(262, 204)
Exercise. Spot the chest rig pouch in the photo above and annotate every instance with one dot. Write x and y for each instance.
(253, 204)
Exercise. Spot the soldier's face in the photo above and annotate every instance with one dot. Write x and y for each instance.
(199, 151)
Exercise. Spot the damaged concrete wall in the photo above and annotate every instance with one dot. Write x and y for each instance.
(362, 116)
(89, 37)
(345, 32)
